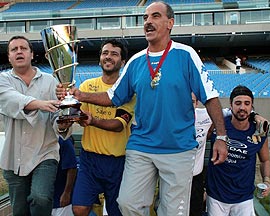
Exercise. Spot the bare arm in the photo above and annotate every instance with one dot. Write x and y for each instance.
(98, 98)
(105, 124)
(110, 124)
(265, 166)
(65, 198)
(220, 151)
(49, 105)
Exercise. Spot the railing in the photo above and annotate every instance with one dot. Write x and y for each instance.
(119, 11)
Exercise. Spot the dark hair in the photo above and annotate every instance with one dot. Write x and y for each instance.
(19, 37)
(170, 12)
(116, 43)
(241, 90)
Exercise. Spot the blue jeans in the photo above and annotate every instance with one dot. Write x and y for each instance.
(32, 194)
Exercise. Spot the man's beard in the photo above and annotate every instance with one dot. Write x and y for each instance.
(238, 118)
(111, 71)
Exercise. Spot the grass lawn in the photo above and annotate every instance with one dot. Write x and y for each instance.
(3, 184)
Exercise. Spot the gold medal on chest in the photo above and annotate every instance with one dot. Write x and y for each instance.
(155, 80)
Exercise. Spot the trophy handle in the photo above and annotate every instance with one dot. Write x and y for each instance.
(62, 44)
(59, 45)
(66, 66)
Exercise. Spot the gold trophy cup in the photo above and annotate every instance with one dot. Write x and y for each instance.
(60, 43)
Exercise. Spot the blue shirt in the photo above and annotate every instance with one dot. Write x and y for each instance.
(67, 161)
(233, 181)
(164, 114)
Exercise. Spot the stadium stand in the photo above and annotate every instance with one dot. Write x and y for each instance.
(258, 83)
(176, 2)
(40, 6)
(67, 5)
(109, 3)
(260, 63)
(211, 65)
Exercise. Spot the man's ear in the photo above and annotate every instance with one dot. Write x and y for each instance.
(123, 62)
(170, 23)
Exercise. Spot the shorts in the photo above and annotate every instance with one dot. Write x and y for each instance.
(215, 207)
(98, 174)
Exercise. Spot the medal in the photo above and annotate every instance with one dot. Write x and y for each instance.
(156, 75)
(156, 79)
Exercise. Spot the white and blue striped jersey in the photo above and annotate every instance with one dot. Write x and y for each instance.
(164, 114)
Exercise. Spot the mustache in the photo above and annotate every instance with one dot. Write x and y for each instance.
(238, 118)
(106, 60)
(242, 111)
(149, 26)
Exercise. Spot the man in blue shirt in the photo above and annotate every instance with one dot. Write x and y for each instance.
(65, 178)
(230, 185)
(162, 144)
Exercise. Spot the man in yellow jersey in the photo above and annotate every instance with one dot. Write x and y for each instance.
(104, 139)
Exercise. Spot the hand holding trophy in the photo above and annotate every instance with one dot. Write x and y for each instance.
(60, 43)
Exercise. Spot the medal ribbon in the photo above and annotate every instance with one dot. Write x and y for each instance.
(152, 72)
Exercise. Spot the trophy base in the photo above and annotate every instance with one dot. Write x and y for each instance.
(71, 118)
(71, 113)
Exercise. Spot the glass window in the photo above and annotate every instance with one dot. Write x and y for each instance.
(219, 19)
(266, 15)
(15, 27)
(134, 21)
(255, 16)
(60, 22)
(177, 19)
(131, 22)
(203, 19)
(186, 20)
(245, 17)
(140, 21)
(37, 26)
(233, 18)
(109, 23)
(85, 23)
(2, 27)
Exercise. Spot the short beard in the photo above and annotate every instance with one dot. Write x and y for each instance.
(239, 119)
(112, 71)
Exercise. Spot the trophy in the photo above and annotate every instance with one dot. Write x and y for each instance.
(60, 43)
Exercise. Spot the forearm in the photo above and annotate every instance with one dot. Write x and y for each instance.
(33, 105)
(265, 171)
(98, 98)
(214, 110)
(71, 176)
(108, 124)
